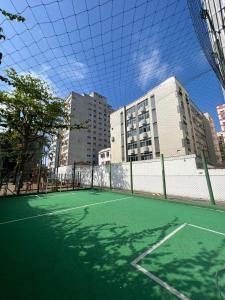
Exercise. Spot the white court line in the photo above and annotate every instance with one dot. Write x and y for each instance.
(210, 230)
(63, 210)
(171, 289)
(162, 283)
(151, 249)
(37, 196)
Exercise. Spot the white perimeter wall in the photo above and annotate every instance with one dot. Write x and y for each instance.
(182, 177)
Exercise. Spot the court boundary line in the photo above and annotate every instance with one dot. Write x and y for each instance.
(165, 285)
(62, 210)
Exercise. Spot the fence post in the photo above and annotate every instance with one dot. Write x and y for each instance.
(110, 176)
(163, 176)
(73, 178)
(92, 175)
(131, 177)
(39, 176)
(211, 196)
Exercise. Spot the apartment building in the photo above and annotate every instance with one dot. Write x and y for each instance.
(83, 145)
(208, 18)
(54, 153)
(164, 120)
(221, 140)
(221, 115)
(212, 140)
(104, 157)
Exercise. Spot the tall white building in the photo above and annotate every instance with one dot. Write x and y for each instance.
(83, 145)
(164, 120)
(212, 140)
(221, 140)
(54, 153)
(209, 21)
(221, 115)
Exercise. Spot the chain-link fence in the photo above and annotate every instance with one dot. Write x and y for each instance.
(41, 180)
(181, 177)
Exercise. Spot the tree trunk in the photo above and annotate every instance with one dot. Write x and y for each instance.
(21, 168)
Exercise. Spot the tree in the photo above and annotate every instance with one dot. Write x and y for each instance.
(11, 17)
(7, 156)
(32, 113)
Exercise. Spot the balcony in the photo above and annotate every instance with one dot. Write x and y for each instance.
(130, 116)
(132, 151)
(142, 110)
(130, 127)
(142, 122)
(131, 139)
(145, 149)
(144, 135)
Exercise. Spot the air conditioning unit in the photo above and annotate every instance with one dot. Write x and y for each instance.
(144, 135)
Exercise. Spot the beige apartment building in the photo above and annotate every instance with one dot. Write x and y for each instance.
(221, 140)
(212, 140)
(54, 153)
(83, 145)
(164, 120)
(221, 115)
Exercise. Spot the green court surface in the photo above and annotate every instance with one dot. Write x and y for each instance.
(103, 245)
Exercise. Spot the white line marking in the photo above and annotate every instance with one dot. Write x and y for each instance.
(210, 230)
(211, 209)
(37, 196)
(162, 283)
(63, 210)
(151, 249)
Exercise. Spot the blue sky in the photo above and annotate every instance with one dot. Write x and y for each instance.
(119, 48)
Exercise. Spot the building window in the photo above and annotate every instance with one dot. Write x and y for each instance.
(145, 128)
(133, 157)
(147, 142)
(147, 156)
(143, 116)
(132, 146)
(143, 104)
(131, 133)
(131, 110)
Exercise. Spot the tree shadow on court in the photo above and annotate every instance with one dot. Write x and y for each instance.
(88, 256)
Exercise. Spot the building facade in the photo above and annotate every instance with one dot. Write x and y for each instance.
(83, 145)
(212, 140)
(221, 115)
(104, 156)
(164, 120)
(208, 18)
(54, 153)
(221, 140)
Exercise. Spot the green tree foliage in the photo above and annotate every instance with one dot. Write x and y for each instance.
(31, 114)
(11, 17)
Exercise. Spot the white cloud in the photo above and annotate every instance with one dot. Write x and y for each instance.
(72, 69)
(150, 67)
(43, 74)
(68, 71)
